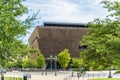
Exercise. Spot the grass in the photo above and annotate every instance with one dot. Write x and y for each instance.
(11, 78)
(104, 79)
(117, 72)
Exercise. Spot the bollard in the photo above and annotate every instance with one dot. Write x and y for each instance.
(42, 72)
(46, 72)
(98, 75)
(93, 75)
(2, 77)
(72, 74)
(25, 77)
(88, 75)
(55, 73)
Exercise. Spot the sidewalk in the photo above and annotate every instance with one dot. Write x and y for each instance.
(37, 77)
(63, 75)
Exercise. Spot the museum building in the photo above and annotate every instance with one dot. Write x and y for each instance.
(53, 37)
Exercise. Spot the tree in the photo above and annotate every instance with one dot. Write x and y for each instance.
(77, 63)
(15, 64)
(10, 65)
(12, 28)
(64, 58)
(40, 60)
(29, 63)
(103, 38)
(18, 63)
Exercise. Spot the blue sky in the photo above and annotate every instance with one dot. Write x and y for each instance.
(76, 11)
(70, 11)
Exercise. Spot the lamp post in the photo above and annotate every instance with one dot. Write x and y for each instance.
(110, 76)
(55, 65)
(51, 62)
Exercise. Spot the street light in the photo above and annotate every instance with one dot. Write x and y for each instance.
(51, 62)
(55, 65)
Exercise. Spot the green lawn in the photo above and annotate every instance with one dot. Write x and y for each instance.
(11, 78)
(104, 79)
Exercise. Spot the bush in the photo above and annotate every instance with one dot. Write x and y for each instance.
(117, 72)
(40, 60)
(18, 64)
(64, 58)
(77, 63)
(10, 65)
(29, 63)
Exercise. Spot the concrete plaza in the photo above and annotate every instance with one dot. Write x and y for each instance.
(62, 75)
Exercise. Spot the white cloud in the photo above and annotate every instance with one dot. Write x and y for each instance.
(75, 11)
(67, 9)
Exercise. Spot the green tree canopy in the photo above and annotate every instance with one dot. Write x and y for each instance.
(103, 38)
(77, 63)
(12, 28)
(40, 61)
(10, 65)
(16, 64)
(27, 63)
(64, 58)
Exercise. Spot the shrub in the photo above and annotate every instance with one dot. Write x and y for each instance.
(29, 63)
(40, 60)
(64, 58)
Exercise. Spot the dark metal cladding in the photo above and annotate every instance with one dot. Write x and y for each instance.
(54, 38)
(54, 24)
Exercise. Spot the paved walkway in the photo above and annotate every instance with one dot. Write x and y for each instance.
(62, 76)
(36, 77)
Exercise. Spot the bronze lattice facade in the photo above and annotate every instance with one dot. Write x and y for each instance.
(53, 38)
